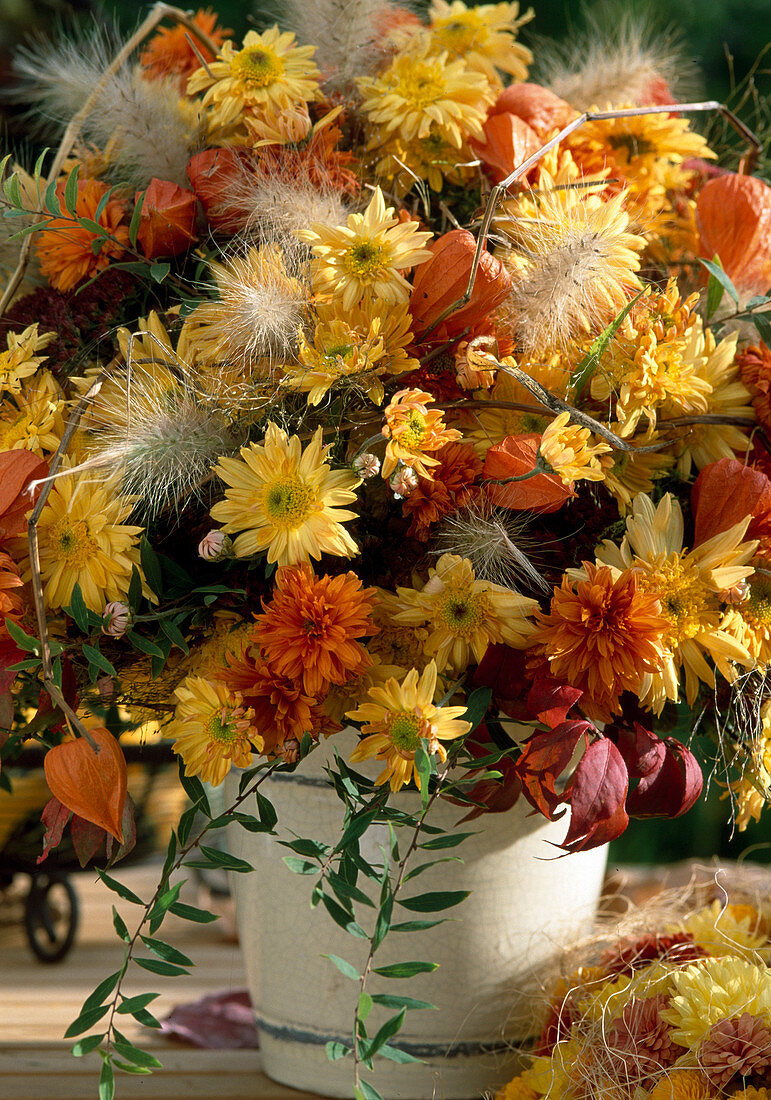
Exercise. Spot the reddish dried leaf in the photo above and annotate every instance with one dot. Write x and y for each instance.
(129, 834)
(643, 751)
(92, 784)
(538, 107)
(515, 456)
(10, 654)
(54, 816)
(672, 788)
(510, 141)
(87, 839)
(502, 669)
(550, 701)
(596, 796)
(211, 173)
(724, 493)
(543, 759)
(167, 219)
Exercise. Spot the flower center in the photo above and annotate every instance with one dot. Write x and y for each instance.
(685, 601)
(223, 727)
(289, 501)
(757, 609)
(419, 85)
(634, 144)
(364, 260)
(257, 65)
(462, 611)
(405, 730)
(74, 543)
(460, 35)
(413, 430)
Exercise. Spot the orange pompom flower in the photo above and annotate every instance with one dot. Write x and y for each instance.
(167, 219)
(754, 365)
(309, 630)
(601, 635)
(169, 52)
(282, 710)
(64, 247)
(451, 488)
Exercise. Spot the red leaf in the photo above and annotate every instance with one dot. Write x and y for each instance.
(724, 493)
(10, 654)
(515, 456)
(596, 797)
(17, 470)
(129, 834)
(54, 816)
(92, 784)
(543, 759)
(502, 669)
(550, 701)
(87, 839)
(643, 751)
(672, 788)
(510, 141)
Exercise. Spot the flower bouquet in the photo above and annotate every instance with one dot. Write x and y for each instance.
(353, 380)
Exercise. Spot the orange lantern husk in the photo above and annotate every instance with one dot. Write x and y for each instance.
(733, 216)
(167, 219)
(510, 141)
(541, 109)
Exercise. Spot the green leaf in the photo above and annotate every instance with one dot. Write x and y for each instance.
(71, 192)
(194, 789)
(416, 925)
(133, 1054)
(135, 589)
(300, 866)
(405, 970)
(102, 990)
(101, 206)
(435, 901)
(51, 200)
(86, 1021)
(166, 951)
(186, 824)
(143, 1017)
(134, 1004)
(23, 640)
(118, 888)
(422, 867)
(383, 923)
(590, 361)
(119, 925)
(85, 1046)
(144, 645)
(393, 1054)
(477, 705)
(266, 810)
(336, 1051)
(344, 967)
(715, 292)
(356, 827)
(151, 566)
(12, 190)
(192, 913)
(304, 846)
(77, 610)
(161, 907)
(449, 840)
(226, 860)
(94, 657)
(365, 1091)
(390, 1000)
(714, 268)
(174, 634)
(423, 766)
(159, 271)
(389, 1028)
(763, 325)
(343, 918)
(345, 890)
(106, 1082)
(136, 218)
(158, 966)
(365, 1005)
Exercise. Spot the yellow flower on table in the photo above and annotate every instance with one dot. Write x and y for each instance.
(32, 419)
(20, 360)
(713, 990)
(484, 36)
(400, 716)
(286, 500)
(213, 730)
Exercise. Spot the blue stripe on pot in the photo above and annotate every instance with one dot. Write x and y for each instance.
(430, 1051)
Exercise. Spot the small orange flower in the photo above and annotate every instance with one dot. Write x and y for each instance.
(169, 52)
(451, 488)
(308, 631)
(282, 710)
(755, 368)
(601, 636)
(64, 247)
(412, 430)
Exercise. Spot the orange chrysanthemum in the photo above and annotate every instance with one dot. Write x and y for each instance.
(412, 431)
(450, 489)
(169, 52)
(601, 636)
(64, 247)
(11, 603)
(755, 369)
(308, 631)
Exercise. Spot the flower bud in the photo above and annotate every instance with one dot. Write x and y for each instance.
(367, 465)
(116, 619)
(214, 546)
(403, 481)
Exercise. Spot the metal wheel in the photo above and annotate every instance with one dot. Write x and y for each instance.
(51, 914)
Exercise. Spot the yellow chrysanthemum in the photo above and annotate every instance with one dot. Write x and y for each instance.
(484, 36)
(423, 92)
(728, 930)
(398, 718)
(463, 615)
(433, 158)
(286, 500)
(212, 729)
(32, 419)
(750, 621)
(364, 258)
(83, 540)
(339, 356)
(682, 1084)
(267, 77)
(567, 449)
(20, 360)
(413, 431)
(688, 584)
(714, 990)
(395, 643)
(627, 474)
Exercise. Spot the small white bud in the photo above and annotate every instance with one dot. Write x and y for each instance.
(367, 465)
(403, 481)
(116, 618)
(214, 546)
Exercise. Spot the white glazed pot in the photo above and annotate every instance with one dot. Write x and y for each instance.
(524, 905)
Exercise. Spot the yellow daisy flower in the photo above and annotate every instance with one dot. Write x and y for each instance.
(728, 930)
(433, 158)
(84, 540)
(20, 361)
(212, 728)
(688, 584)
(463, 615)
(32, 419)
(567, 449)
(398, 718)
(413, 430)
(484, 36)
(750, 621)
(339, 356)
(286, 500)
(714, 990)
(364, 258)
(627, 474)
(269, 75)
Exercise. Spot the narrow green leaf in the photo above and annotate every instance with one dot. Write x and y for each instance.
(393, 1054)
(186, 824)
(423, 867)
(365, 1091)
(133, 1054)
(383, 922)
(192, 913)
(389, 1028)
(133, 1004)
(166, 951)
(477, 706)
(118, 888)
(136, 218)
(304, 846)
(12, 190)
(174, 634)
(77, 610)
(423, 767)
(144, 645)
(390, 1000)
(449, 840)
(135, 589)
(142, 1016)
(159, 910)
(301, 866)
(85, 1046)
(226, 860)
(158, 966)
(715, 292)
(365, 1005)
(71, 192)
(405, 970)
(343, 918)
(51, 200)
(94, 657)
(357, 826)
(23, 640)
(762, 323)
(102, 990)
(101, 206)
(714, 268)
(416, 925)
(151, 566)
(119, 925)
(344, 967)
(434, 901)
(86, 1021)
(345, 890)
(336, 1051)
(106, 1082)
(194, 789)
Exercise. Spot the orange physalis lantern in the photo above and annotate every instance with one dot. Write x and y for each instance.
(211, 173)
(515, 456)
(510, 141)
(443, 279)
(167, 219)
(541, 109)
(733, 216)
(91, 784)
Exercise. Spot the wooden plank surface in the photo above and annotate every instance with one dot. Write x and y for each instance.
(38, 1002)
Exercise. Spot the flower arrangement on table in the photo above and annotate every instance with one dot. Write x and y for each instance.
(364, 382)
